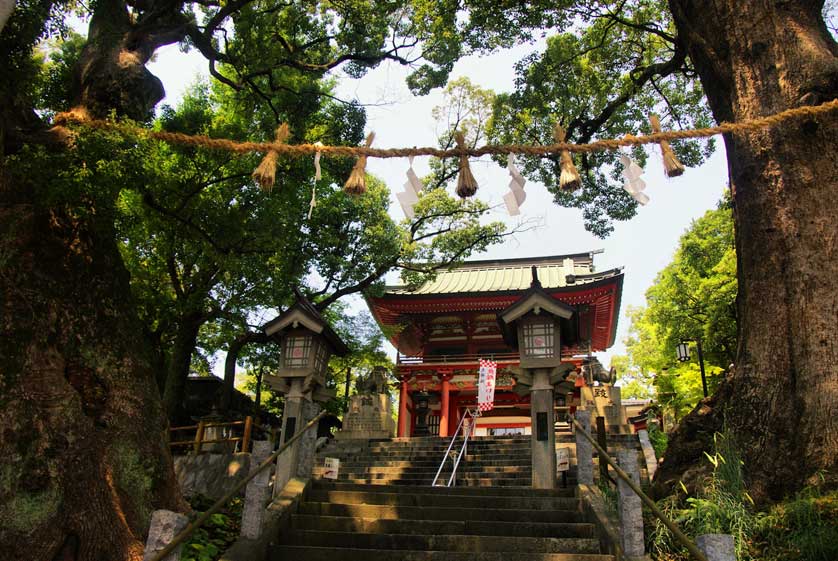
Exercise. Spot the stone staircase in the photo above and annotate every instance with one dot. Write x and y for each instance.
(382, 508)
(489, 462)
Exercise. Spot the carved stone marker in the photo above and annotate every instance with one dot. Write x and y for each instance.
(370, 410)
(165, 525)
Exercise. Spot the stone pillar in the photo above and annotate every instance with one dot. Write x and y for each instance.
(584, 450)
(214, 433)
(403, 409)
(444, 404)
(298, 459)
(543, 433)
(165, 525)
(631, 507)
(257, 492)
(717, 547)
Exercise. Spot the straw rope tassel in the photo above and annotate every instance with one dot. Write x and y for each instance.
(466, 184)
(671, 166)
(357, 182)
(265, 173)
(569, 179)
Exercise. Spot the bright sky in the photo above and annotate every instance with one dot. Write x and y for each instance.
(642, 246)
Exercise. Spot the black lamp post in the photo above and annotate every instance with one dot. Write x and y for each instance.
(683, 352)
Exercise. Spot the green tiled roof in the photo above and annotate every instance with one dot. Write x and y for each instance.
(509, 274)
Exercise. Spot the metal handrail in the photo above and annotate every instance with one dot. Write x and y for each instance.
(186, 532)
(471, 425)
(676, 531)
(468, 414)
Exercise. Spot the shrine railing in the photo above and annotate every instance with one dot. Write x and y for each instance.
(456, 359)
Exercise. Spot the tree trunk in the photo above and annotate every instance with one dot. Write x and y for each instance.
(180, 360)
(230, 363)
(83, 448)
(755, 58)
(83, 451)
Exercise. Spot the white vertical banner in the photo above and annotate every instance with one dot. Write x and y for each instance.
(486, 385)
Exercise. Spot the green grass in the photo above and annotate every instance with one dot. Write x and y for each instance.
(803, 528)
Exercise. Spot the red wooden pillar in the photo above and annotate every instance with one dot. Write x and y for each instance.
(444, 405)
(403, 408)
(453, 419)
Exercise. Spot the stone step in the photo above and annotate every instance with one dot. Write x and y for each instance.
(324, 484)
(378, 473)
(466, 527)
(460, 483)
(300, 553)
(442, 449)
(462, 468)
(420, 463)
(377, 460)
(436, 542)
(438, 513)
(453, 499)
(426, 457)
(439, 446)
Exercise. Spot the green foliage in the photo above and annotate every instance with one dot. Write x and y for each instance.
(366, 340)
(217, 534)
(722, 506)
(803, 528)
(658, 438)
(694, 296)
(608, 66)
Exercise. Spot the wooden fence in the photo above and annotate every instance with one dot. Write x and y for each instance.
(239, 434)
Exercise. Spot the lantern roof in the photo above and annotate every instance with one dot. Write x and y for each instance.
(303, 314)
(535, 299)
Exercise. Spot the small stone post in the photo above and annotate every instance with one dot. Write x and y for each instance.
(257, 492)
(584, 450)
(717, 547)
(630, 505)
(165, 525)
(648, 452)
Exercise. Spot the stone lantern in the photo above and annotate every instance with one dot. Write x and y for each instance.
(534, 325)
(307, 343)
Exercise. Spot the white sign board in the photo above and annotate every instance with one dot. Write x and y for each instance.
(562, 459)
(332, 468)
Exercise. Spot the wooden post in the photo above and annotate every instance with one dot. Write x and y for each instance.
(199, 436)
(403, 409)
(443, 410)
(602, 440)
(248, 427)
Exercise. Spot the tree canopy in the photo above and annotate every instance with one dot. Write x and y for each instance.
(694, 297)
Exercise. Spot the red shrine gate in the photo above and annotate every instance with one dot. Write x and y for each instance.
(443, 328)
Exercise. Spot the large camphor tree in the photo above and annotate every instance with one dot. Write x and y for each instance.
(612, 63)
(83, 460)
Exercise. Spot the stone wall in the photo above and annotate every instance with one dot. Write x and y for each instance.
(210, 475)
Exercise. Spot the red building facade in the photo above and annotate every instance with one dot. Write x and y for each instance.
(443, 328)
